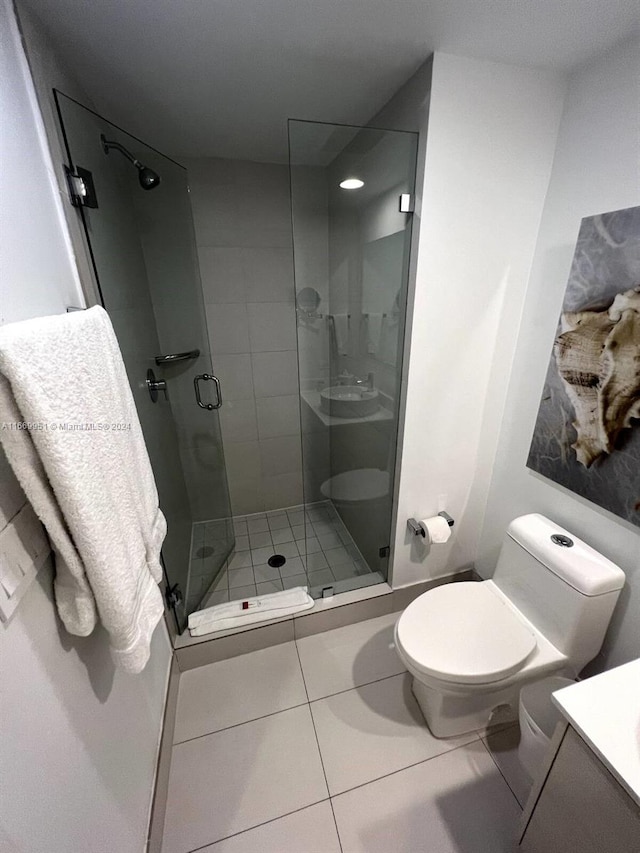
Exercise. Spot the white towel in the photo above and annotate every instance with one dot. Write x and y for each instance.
(259, 609)
(341, 331)
(92, 488)
(374, 330)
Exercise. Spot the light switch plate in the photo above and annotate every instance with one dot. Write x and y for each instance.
(23, 549)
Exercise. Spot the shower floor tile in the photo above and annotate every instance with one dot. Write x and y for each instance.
(239, 592)
(240, 560)
(283, 535)
(308, 546)
(321, 577)
(315, 542)
(257, 524)
(266, 573)
(267, 587)
(242, 543)
(315, 561)
(241, 577)
(293, 566)
(294, 581)
(288, 549)
(240, 528)
(257, 540)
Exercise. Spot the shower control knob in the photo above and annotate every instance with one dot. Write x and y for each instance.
(154, 386)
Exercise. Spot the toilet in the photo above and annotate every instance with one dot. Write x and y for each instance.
(472, 646)
(362, 486)
(363, 499)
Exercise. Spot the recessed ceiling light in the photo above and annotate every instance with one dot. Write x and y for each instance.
(351, 184)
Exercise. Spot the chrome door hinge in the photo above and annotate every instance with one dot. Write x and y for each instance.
(406, 203)
(82, 191)
(174, 595)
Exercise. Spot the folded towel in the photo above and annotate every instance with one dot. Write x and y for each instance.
(341, 332)
(257, 609)
(374, 330)
(84, 467)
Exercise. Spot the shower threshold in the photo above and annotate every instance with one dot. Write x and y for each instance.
(348, 603)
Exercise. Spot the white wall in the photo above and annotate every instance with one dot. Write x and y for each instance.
(242, 219)
(489, 151)
(48, 73)
(79, 740)
(31, 213)
(596, 169)
(310, 220)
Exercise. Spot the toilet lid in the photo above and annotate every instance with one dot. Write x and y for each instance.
(464, 633)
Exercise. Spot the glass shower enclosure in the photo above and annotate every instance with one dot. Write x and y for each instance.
(140, 236)
(352, 194)
(351, 197)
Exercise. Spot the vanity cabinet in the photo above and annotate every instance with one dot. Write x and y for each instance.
(580, 807)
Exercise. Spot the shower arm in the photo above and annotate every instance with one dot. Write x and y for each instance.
(147, 177)
(107, 145)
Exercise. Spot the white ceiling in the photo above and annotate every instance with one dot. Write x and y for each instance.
(220, 77)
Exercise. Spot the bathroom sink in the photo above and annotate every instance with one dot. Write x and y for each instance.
(349, 401)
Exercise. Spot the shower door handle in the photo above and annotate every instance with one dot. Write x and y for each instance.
(208, 377)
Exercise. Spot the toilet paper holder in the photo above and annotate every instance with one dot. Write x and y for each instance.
(415, 528)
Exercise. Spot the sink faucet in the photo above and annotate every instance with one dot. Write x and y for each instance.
(346, 378)
(369, 382)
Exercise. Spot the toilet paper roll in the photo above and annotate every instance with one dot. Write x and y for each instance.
(436, 530)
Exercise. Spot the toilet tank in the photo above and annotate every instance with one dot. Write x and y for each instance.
(568, 592)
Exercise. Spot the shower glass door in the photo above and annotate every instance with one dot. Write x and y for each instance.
(351, 196)
(143, 249)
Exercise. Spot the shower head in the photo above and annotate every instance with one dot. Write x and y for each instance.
(147, 177)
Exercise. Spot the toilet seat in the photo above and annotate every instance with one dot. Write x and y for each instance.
(465, 634)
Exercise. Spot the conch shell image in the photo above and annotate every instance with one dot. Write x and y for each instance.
(598, 358)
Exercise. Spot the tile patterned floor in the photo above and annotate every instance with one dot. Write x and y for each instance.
(314, 541)
(318, 746)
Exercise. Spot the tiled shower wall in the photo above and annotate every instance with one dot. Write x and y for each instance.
(242, 222)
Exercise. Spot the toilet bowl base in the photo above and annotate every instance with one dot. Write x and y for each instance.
(451, 714)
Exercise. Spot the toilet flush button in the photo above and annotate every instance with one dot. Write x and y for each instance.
(560, 539)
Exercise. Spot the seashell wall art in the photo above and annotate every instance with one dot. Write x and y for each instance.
(587, 433)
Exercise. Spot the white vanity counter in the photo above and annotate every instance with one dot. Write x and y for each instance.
(605, 710)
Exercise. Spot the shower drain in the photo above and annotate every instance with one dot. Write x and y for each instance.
(276, 561)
